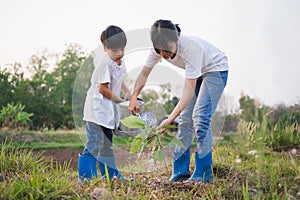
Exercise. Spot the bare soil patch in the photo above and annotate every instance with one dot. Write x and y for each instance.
(62, 155)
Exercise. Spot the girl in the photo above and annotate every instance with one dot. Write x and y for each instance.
(206, 72)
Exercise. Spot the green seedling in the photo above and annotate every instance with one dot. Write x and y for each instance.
(150, 137)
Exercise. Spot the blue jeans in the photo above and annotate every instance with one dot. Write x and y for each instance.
(196, 117)
(99, 140)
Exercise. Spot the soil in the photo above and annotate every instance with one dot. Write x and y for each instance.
(71, 155)
(62, 155)
(225, 174)
(123, 157)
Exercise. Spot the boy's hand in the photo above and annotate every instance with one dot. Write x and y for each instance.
(127, 96)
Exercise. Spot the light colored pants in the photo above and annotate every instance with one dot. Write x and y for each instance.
(196, 117)
(99, 140)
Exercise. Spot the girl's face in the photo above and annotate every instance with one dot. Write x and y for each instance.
(115, 54)
(170, 53)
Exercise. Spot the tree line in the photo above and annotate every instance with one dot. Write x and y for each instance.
(47, 94)
(42, 99)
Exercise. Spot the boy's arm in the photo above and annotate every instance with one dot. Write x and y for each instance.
(126, 91)
(103, 89)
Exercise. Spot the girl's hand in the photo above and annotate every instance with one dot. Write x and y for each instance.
(134, 106)
(165, 122)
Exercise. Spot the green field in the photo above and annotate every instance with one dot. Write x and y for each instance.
(239, 171)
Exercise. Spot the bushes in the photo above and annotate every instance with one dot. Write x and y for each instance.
(279, 136)
(46, 93)
(13, 116)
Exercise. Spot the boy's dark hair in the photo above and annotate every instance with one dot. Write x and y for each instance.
(113, 37)
(162, 32)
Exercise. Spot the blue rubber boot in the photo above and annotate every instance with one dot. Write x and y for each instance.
(202, 171)
(86, 167)
(112, 169)
(181, 167)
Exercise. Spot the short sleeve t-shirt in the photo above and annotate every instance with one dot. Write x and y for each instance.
(195, 56)
(98, 108)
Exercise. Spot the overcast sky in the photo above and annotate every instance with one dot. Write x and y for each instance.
(261, 38)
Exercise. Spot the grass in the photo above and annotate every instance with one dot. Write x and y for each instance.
(25, 175)
(238, 174)
(44, 140)
(53, 139)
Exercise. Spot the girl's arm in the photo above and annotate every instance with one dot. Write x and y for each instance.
(188, 93)
(103, 89)
(139, 84)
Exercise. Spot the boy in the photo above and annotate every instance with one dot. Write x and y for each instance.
(100, 109)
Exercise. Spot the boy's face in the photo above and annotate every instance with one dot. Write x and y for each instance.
(115, 54)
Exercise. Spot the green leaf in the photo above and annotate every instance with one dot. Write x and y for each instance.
(153, 130)
(155, 155)
(178, 142)
(161, 155)
(143, 135)
(165, 141)
(132, 122)
(158, 155)
(170, 126)
(166, 135)
(136, 145)
(149, 140)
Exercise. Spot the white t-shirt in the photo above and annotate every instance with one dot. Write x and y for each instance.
(195, 55)
(97, 108)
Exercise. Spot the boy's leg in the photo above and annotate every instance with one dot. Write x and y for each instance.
(106, 157)
(94, 134)
(107, 149)
(87, 160)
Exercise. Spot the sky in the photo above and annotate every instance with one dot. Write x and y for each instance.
(260, 38)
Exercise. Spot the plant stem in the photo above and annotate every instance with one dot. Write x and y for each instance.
(160, 146)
